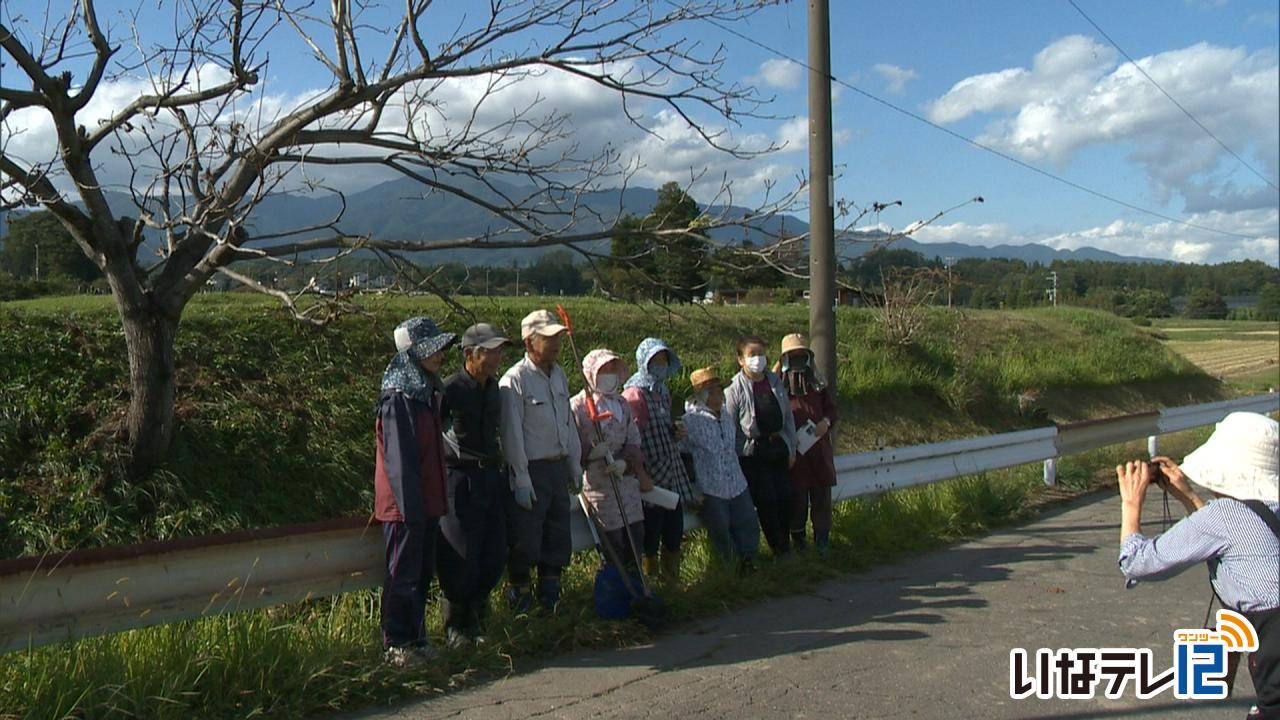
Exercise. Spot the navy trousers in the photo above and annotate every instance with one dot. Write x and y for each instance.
(411, 563)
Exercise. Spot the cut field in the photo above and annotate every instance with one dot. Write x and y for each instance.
(1244, 354)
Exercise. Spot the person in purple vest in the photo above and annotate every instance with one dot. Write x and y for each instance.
(409, 485)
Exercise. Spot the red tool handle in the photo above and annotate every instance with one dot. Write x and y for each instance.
(564, 318)
(596, 415)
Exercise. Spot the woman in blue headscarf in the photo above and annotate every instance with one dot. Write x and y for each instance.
(651, 404)
(409, 485)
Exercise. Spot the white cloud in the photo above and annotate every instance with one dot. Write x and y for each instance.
(987, 234)
(896, 78)
(1164, 240)
(782, 74)
(667, 149)
(1076, 96)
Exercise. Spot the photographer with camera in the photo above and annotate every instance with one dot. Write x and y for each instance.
(1237, 533)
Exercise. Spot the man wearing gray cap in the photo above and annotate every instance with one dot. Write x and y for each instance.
(542, 448)
(471, 559)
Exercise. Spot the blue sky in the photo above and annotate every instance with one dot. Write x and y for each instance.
(913, 53)
(1031, 78)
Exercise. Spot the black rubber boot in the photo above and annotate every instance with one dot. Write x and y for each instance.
(549, 593)
(519, 598)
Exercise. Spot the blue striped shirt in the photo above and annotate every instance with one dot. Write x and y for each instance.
(1242, 552)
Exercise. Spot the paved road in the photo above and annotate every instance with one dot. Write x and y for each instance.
(925, 638)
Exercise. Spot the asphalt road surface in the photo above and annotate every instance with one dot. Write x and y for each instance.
(925, 638)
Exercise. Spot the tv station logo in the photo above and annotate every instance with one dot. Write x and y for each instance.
(1199, 670)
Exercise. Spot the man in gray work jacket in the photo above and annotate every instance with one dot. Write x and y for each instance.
(544, 453)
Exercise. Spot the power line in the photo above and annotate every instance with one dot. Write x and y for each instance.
(979, 145)
(1185, 111)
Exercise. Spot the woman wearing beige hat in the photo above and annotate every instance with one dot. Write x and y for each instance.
(1237, 533)
(814, 473)
(711, 437)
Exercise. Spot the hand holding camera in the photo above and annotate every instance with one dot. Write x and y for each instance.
(1136, 476)
(1170, 477)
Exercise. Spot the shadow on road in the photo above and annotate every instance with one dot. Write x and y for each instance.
(872, 607)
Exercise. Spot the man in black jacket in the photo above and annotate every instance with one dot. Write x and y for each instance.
(472, 558)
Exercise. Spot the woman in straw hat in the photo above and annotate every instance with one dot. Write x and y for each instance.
(712, 439)
(814, 473)
(1237, 533)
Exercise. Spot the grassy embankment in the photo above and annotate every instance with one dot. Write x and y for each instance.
(275, 428)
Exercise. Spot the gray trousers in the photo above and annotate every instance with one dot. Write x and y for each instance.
(540, 537)
(732, 526)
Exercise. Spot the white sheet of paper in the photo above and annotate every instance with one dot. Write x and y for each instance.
(806, 437)
(661, 497)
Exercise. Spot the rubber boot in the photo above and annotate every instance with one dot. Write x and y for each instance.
(822, 541)
(670, 567)
(519, 599)
(549, 592)
(456, 618)
(798, 542)
(478, 621)
(650, 566)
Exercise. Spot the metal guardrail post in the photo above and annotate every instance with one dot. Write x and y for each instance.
(1051, 472)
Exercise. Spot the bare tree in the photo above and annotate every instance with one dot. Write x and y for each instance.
(201, 144)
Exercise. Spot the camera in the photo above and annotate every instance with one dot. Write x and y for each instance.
(1157, 474)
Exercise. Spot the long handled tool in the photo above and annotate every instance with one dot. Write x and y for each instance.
(596, 418)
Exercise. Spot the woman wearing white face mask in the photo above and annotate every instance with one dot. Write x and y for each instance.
(618, 436)
(766, 439)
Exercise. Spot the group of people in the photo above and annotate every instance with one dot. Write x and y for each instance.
(475, 475)
(475, 472)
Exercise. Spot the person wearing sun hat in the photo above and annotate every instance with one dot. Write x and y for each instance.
(541, 446)
(1237, 533)
(651, 404)
(814, 472)
(711, 438)
(409, 485)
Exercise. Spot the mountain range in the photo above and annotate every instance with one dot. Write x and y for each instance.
(400, 210)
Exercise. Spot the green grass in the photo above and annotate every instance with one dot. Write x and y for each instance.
(275, 426)
(274, 422)
(296, 660)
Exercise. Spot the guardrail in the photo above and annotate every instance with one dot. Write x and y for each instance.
(83, 593)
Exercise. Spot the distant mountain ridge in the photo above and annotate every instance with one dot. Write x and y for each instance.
(398, 210)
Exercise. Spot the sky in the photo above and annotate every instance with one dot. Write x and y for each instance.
(1033, 80)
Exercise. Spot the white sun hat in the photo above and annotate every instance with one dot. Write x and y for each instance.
(1240, 459)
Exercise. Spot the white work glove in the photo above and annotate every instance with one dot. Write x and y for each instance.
(619, 467)
(598, 451)
(524, 496)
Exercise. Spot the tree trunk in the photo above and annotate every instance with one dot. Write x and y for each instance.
(149, 335)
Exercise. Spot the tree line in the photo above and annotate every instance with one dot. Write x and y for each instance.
(683, 268)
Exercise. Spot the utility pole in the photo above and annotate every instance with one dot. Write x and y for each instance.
(486, 281)
(822, 245)
(1053, 290)
(517, 281)
(37, 262)
(949, 261)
